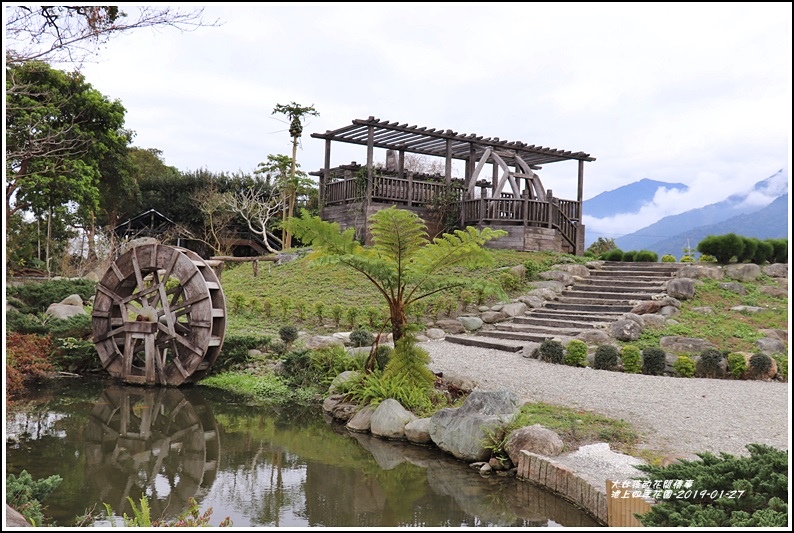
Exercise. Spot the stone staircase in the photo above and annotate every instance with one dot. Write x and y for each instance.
(590, 303)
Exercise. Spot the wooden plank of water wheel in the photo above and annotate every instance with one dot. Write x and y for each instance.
(159, 316)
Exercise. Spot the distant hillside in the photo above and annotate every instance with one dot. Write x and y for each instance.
(770, 222)
(761, 194)
(626, 199)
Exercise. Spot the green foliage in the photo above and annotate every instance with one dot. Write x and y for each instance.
(382, 356)
(629, 257)
(237, 302)
(631, 356)
(374, 316)
(706, 258)
(723, 247)
(285, 307)
(779, 250)
(509, 281)
(606, 357)
(37, 296)
(235, 350)
(288, 334)
(687, 259)
(352, 316)
(336, 313)
(361, 337)
(646, 256)
(749, 250)
(737, 365)
(576, 353)
(709, 364)
(653, 361)
(782, 365)
(601, 246)
(726, 491)
(668, 258)
(760, 365)
(764, 252)
(403, 264)
(76, 355)
(300, 307)
(319, 310)
(466, 298)
(615, 254)
(684, 366)
(141, 516)
(272, 389)
(532, 269)
(26, 495)
(552, 351)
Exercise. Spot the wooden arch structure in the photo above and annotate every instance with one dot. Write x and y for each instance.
(512, 195)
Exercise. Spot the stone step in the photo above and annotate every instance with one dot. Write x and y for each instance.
(558, 322)
(614, 308)
(480, 342)
(611, 286)
(593, 295)
(519, 335)
(641, 265)
(562, 314)
(630, 275)
(569, 331)
(603, 302)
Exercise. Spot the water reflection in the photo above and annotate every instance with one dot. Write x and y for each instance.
(151, 441)
(262, 467)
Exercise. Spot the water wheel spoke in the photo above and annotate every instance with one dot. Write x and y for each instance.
(138, 274)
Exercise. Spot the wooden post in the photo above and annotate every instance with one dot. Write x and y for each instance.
(550, 214)
(401, 164)
(525, 203)
(370, 153)
(448, 163)
(410, 187)
(325, 177)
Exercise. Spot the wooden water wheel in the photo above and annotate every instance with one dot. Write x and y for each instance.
(159, 316)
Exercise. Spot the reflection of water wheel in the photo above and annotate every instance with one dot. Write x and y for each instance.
(159, 316)
(156, 442)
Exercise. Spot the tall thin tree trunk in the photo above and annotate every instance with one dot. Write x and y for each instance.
(49, 237)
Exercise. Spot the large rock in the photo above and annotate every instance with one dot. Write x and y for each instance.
(555, 286)
(514, 309)
(389, 419)
(595, 337)
(15, 519)
(647, 307)
(535, 439)
(542, 293)
(463, 431)
(450, 325)
(341, 379)
(418, 431)
(654, 321)
(492, 317)
(70, 306)
(557, 275)
(776, 270)
(574, 269)
(686, 345)
(681, 288)
(771, 346)
(776, 292)
(700, 272)
(625, 330)
(742, 271)
(315, 342)
(471, 323)
(361, 421)
(532, 301)
(435, 333)
(734, 287)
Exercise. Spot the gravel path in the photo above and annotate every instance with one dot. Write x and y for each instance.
(675, 415)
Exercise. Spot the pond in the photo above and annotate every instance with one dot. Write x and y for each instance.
(260, 466)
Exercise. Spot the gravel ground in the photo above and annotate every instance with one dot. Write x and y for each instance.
(674, 415)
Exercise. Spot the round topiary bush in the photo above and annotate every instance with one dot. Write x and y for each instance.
(653, 361)
(382, 356)
(288, 334)
(631, 357)
(576, 353)
(606, 357)
(737, 364)
(615, 254)
(646, 256)
(552, 352)
(629, 257)
(668, 258)
(684, 366)
(760, 365)
(687, 259)
(361, 337)
(710, 364)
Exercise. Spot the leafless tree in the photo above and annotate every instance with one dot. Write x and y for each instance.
(71, 34)
(257, 207)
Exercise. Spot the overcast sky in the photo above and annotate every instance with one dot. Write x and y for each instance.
(698, 94)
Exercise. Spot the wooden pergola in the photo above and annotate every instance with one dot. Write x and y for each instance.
(512, 195)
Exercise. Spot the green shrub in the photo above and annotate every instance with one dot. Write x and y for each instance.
(352, 317)
(737, 365)
(509, 281)
(754, 491)
(706, 258)
(79, 326)
(782, 365)
(760, 365)
(606, 357)
(750, 247)
(319, 311)
(26, 495)
(576, 353)
(37, 296)
(532, 269)
(709, 364)
(267, 307)
(26, 323)
(615, 254)
(285, 307)
(723, 247)
(668, 258)
(235, 349)
(779, 250)
(764, 253)
(382, 356)
(76, 355)
(629, 257)
(653, 361)
(687, 259)
(631, 356)
(288, 334)
(361, 337)
(336, 313)
(301, 308)
(374, 317)
(551, 351)
(646, 256)
(684, 366)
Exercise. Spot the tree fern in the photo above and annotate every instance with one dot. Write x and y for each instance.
(410, 362)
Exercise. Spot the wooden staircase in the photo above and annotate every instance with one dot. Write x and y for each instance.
(590, 303)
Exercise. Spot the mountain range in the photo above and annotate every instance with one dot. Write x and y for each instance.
(760, 212)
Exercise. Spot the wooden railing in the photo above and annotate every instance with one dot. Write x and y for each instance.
(384, 189)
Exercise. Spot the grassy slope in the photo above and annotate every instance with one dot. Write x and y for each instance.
(299, 281)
